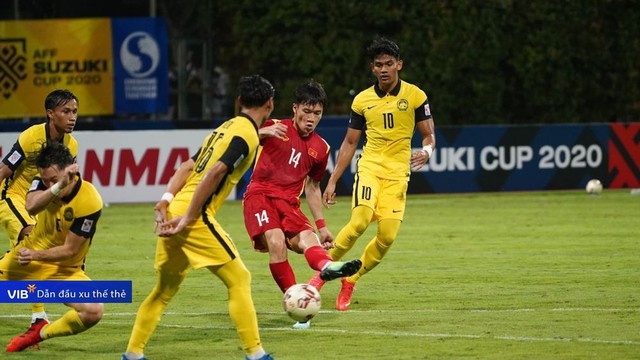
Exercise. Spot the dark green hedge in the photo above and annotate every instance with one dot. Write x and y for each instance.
(509, 61)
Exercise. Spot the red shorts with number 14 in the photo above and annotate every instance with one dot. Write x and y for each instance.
(262, 213)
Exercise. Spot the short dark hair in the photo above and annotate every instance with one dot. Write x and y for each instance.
(54, 153)
(383, 46)
(57, 98)
(310, 92)
(255, 91)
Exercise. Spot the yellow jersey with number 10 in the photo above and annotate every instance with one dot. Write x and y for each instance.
(388, 121)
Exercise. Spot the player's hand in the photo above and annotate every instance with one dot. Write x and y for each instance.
(329, 195)
(161, 213)
(173, 226)
(70, 173)
(418, 159)
(326, 238)
(277, 130)
(25, 256)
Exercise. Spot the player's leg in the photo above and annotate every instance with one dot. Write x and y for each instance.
(172, 265)
(390, 212)
(81, 317)
(237, 278)
(263, 224)
(279, 265)
(18, 223)
(346, 238)
(378, 247)
(363, 202)
(318, 259)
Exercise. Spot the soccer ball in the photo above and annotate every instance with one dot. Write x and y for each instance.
(301, 302)
(594, 187)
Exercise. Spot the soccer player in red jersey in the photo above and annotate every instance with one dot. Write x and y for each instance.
(293, 158)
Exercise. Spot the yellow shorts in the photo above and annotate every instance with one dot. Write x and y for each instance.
(386, 197)
(14, 217)
(204, 243)
(10, 269)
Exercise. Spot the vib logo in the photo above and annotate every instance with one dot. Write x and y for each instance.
(139, 54)
(21, 294)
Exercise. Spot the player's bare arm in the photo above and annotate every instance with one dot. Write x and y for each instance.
(345, 154)
(277, 130)
(314, 200)
(38, 200)
(420, 157)
(203, 191)
(5, 171)
(176, 183)
(72, 245)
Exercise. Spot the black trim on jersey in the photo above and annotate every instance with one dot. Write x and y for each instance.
(255, 126)
(216, 234)
(16, 213)
(67, 199)
(47, 131)
(419, 112)
(356, 121)
(78, 224)
(237, 150)
(195, 156)
(41, 185)
(355, 190)
(18, 148)
(395, 91)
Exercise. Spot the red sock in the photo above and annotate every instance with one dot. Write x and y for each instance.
(283, 274)
(317, 257)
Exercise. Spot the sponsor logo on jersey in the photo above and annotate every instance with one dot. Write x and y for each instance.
(14, 157)
(427, 110)
(87, 224)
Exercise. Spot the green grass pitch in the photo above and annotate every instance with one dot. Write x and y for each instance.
(534, 275)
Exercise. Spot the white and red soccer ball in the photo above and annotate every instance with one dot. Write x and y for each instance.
(301, 302)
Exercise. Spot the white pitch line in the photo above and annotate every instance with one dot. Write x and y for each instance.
(384, 333)
(403, 334)
(374, 311)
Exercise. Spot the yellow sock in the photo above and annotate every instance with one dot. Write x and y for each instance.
(346, 238)
(378, 247)
(151, 310)
(68, 324)
(237, 279)
(37, 308)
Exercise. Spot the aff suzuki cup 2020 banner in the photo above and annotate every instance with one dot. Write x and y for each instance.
(115, 65)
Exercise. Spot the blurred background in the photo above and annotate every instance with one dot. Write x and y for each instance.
(480, 62)
(526, 95)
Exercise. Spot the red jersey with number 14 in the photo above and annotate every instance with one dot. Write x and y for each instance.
(283, 165)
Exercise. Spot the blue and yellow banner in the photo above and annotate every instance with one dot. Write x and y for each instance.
(48, 291)
(99, 60)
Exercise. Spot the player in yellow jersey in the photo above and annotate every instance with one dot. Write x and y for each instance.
(18, 168)
(387, 112)
(190, 236)
(68, 210)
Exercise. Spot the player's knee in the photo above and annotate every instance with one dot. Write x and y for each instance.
(92, 314)
(360, 219)
(168, 284)
(244, 277)
(359, 224)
